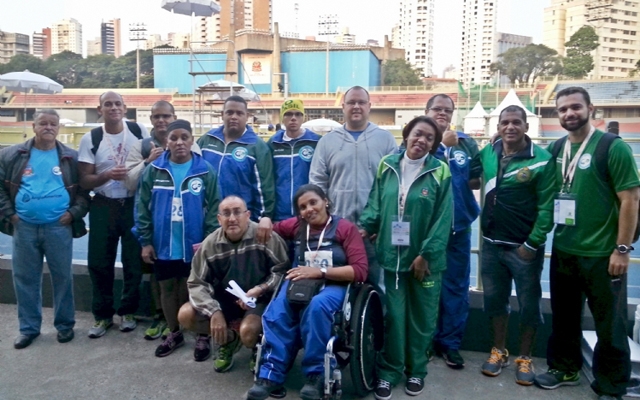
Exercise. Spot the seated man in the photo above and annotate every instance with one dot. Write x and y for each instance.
(232, 252)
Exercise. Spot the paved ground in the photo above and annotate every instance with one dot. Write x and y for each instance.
(122, 365)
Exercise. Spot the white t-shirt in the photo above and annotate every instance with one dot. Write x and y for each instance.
(113, 150)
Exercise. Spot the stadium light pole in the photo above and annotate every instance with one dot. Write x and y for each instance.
(327, 26)
(137, 32)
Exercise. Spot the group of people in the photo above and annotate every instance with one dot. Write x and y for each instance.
(307, 215)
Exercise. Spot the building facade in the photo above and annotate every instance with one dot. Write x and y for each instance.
(110, 37)
(414, 33)
(41, 44)
(94, 46)
(234, 15)
(66, 34)
(479, 22)
(12, 44)
(507, 41)
(616, 22)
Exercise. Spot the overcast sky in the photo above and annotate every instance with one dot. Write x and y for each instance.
(367, 19)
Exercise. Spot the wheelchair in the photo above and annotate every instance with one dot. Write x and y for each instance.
(357, 337)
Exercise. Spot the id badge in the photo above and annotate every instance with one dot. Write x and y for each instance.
(319, 259)
(564, 209)
(176, 210)
(400, 229)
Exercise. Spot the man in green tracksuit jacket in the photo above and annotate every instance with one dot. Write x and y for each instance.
(518, 179)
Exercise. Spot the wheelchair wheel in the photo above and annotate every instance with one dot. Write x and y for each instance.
(367, 331)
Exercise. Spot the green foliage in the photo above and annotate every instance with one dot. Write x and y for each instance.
(525, 64)
(579, 61)
(99, 71)
(400, 73)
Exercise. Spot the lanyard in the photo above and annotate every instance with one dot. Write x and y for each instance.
(319, 240)
(569, 169)
(402, 195)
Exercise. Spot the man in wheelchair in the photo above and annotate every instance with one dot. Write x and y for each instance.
(329, 255)
(232, 253)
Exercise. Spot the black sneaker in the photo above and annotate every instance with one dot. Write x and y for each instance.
(414, 386)
(555, 378)
(383, 390)
(172, 342)
(203, 348)
(453, 359)
(313, 388)
(263, 388)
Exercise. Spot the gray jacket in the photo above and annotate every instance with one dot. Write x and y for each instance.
(345, 169)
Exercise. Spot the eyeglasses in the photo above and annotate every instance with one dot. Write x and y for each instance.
(438, 110)
(291, 114)
(228, 213)
(163, 116)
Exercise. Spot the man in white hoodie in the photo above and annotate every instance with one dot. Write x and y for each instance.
(346, 159)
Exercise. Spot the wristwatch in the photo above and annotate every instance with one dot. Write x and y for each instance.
(324, 272)
(624, 249)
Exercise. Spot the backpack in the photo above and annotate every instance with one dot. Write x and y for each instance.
(96, 135)
(600, 158)
(145, 149)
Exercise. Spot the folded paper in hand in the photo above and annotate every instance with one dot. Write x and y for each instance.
(237, 291)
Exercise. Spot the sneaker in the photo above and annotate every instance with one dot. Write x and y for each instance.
(263, 388)
(414, 386)
(453, 359)
(203, 348)
(100, 328)
(497, 360)
(224, 362)
(165, 333)
(156, 329)
(524, 372)
(313, 388)
(172, 342)
(554, 378)
(128, 323)
(383, 390)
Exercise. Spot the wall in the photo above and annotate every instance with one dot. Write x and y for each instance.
(172, 70)
(347, 68)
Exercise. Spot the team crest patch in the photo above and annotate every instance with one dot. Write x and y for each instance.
(239, 154)
(585, 161)
(424, 192)
(28, 171)
(56, 170)
(195, 186)
(306, 153)
(524, 175)
(460, 157)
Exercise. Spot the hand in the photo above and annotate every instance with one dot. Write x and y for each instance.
(155, 153)
(148, 254)
(254, 292)
(15, 219)
(450, 138)
(420, 268)
(66, 218)
(363, 233)
(218, 327)
(118, 173)
(295, 274)
(618, 263)
(525, 253)
(265, 227)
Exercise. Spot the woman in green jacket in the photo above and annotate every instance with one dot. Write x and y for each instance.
(410, 210)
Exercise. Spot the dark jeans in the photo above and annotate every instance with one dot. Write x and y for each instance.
(111, 220)
(572, 278)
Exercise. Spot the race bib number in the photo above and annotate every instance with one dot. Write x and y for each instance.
(176, 210)
(400, 233)
(319, 259)
(564, 209)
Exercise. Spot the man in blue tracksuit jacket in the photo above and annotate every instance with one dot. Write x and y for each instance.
(457, 149)
(292, 150)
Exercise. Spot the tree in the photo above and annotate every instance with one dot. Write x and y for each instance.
(636, 71)
(65, 68)
(20, 62)
(400, 73)
(579, 61)
(525, 64)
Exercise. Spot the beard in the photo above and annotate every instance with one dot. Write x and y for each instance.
(580, 123)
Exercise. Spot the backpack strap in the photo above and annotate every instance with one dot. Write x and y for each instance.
(135, 129)
(96, 138)
(601, 156)
(558, 145)
(145, 149)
